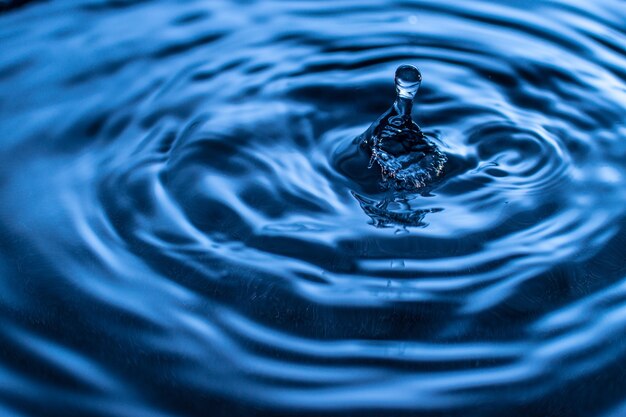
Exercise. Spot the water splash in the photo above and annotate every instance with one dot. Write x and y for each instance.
(407, 159)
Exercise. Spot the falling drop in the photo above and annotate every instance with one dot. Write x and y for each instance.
(395, 143)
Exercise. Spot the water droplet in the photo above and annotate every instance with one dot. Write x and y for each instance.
(408, 81)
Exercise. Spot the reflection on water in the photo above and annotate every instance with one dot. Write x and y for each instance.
(184, 231)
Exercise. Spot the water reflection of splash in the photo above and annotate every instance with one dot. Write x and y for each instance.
(394, 211)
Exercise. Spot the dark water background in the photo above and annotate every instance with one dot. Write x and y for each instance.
(180, 235)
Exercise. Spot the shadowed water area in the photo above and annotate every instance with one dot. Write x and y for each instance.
(182, 231)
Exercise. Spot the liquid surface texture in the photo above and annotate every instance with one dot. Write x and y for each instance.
(184, 233)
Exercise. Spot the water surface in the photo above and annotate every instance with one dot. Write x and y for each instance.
(180, 234)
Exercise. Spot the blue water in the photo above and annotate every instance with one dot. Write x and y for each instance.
(182, 234)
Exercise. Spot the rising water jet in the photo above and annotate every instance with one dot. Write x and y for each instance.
(396, 144)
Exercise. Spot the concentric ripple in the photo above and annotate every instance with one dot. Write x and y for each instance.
(185, 233)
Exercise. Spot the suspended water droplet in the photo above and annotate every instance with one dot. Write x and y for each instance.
(408, 81)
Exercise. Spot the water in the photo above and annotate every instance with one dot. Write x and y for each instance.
(182, 233)
(396, 146)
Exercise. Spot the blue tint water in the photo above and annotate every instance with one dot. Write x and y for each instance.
(182, 233)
